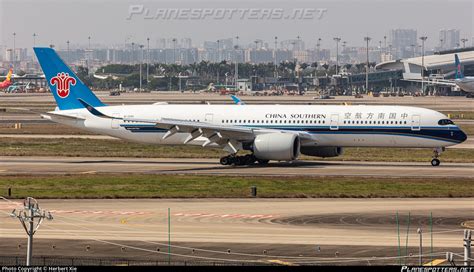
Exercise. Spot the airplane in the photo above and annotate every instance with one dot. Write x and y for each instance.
(268, 132)
(465, 83)
(7, 82)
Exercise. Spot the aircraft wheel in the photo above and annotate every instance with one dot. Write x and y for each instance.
(225, 160)
(249, 159)
(263, 162)
(435, 162)
(239, 160)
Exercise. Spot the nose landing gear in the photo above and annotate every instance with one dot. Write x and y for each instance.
(436, 153)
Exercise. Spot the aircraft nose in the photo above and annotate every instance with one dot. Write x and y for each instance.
(460, 136)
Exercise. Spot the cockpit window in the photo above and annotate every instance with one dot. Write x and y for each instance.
(444, 122)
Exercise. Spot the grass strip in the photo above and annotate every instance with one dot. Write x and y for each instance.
(193, 186)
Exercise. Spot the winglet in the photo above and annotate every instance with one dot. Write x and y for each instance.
(93, 110)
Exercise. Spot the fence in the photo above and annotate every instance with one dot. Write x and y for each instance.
(77, 261)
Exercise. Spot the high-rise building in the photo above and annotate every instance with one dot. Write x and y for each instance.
(449, 38)
(294, 44)
(301, 56)
(402, 41)
(9, 55)
(186, 43)
(226, 44)
(161, 43)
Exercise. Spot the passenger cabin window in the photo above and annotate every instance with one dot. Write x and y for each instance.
(445, 122)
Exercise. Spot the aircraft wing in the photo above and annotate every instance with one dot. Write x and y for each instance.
(227, 136)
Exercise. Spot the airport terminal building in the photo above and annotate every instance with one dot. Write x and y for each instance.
(439, 65)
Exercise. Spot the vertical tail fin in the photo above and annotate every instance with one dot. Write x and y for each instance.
(9, 75)
(64, 84)
(459, 73)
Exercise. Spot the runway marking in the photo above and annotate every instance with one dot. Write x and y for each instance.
(468, 224)
(99, 212)
(89, 172)
(251, 216)
(435, 262)
(282, 262)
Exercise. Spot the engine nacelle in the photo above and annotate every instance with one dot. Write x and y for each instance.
(277, 146)
(324, 152)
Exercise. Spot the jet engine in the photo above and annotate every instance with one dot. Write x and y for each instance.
(276, 146)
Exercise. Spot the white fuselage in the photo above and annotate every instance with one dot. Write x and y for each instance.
(338, 126)
(466, 84)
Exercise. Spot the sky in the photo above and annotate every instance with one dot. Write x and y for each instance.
(116, 22)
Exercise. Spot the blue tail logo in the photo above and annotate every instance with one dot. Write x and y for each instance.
(459, 73)
(64, 84)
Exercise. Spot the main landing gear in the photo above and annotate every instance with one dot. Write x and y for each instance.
(436, 152)
(248, 159)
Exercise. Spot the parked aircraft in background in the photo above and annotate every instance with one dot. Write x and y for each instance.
(465, 83)
(7, 82)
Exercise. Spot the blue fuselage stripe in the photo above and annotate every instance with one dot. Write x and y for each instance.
(449, 134)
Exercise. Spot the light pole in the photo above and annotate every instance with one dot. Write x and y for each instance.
(218, 60)
(337, 52)
(318, 45)
(236, 69)
(275, 74)
(31, 218)
(174, 50)
(68, 57)
(467, 247)
(147, 59)
(420, 232)
(89, 55)
(141, 61)
(218, 51)
(464, 40)
(14, 48)
(254, 59)
(423, 39)
(34, 39)
(385, 43)
(179, 82)
(367, 39)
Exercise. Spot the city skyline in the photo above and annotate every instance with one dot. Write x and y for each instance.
(349, 20)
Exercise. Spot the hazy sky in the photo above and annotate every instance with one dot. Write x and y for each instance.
(106, 21)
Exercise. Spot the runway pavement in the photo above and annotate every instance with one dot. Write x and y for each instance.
(74, 165)
(326, 223)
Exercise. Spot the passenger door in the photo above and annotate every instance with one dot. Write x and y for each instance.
(415, 122)
(334, 123)
(208, 117)
(115, 123)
